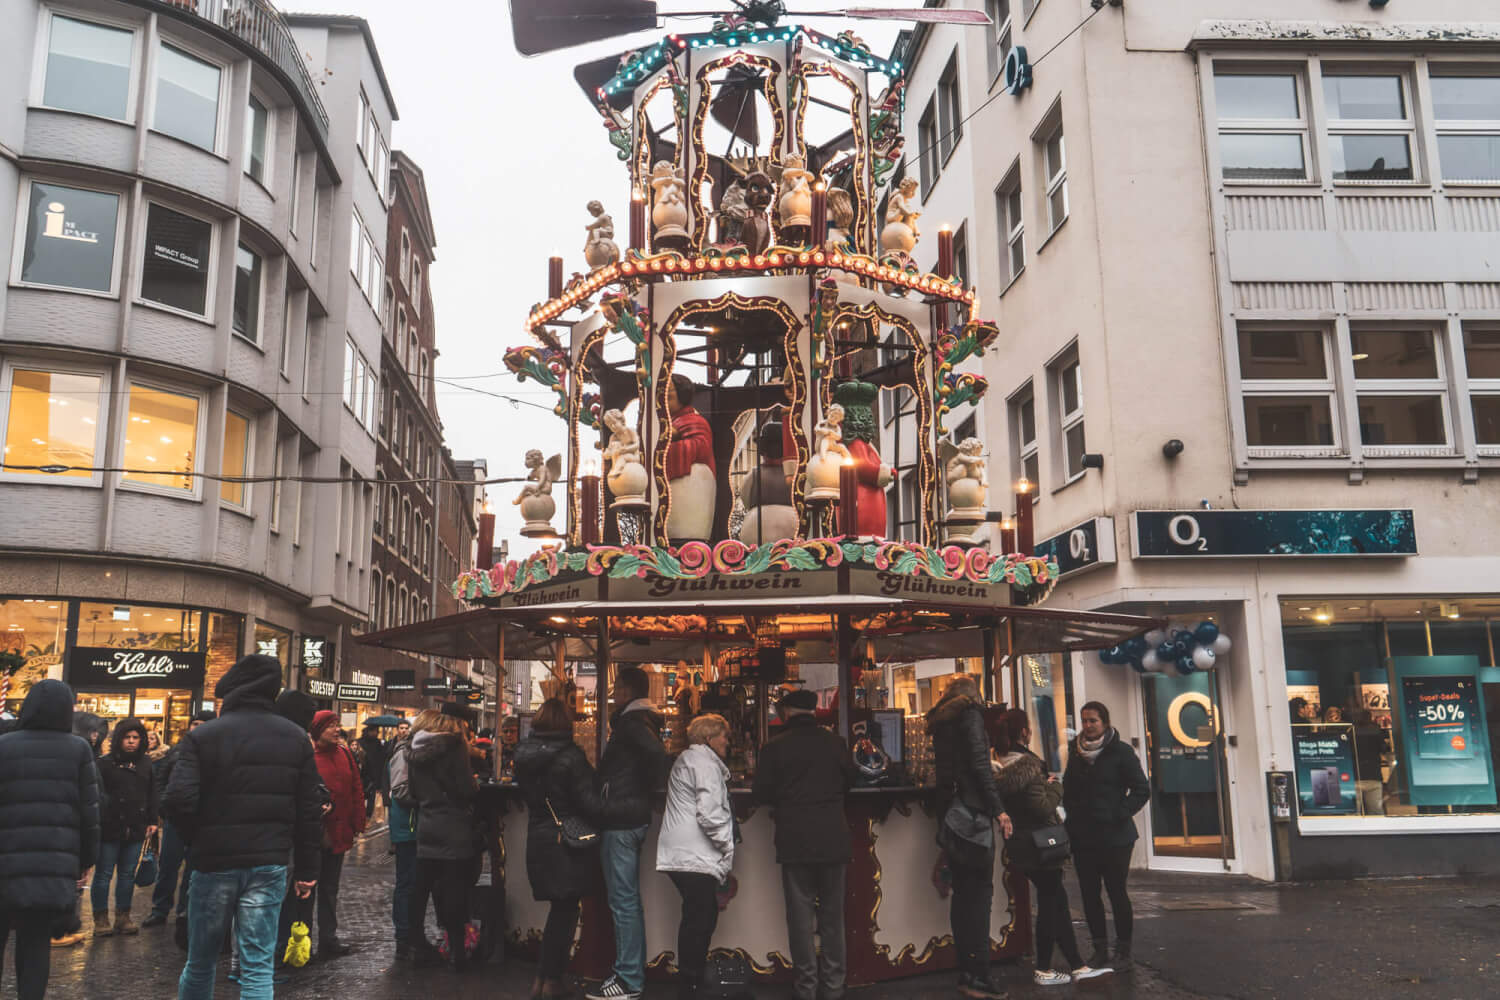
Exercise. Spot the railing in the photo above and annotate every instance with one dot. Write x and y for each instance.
(261, 25)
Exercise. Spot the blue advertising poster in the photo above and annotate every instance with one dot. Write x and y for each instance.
(1325, 770)
(1183, 757)
(1443, 731)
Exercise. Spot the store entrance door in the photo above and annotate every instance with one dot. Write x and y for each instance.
(164, 711)
(1190, 807)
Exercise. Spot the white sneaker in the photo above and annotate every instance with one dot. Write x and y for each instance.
(613, 989)
(1050, 977)
(1085, 972)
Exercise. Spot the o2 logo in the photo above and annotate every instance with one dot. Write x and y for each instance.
(1078, 545)
(1017, 71)
(1185, 531)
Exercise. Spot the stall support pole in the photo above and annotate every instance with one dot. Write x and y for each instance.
(988, 687)
(846, 673)
(1015, 666)
(501, 676)
(603, 680)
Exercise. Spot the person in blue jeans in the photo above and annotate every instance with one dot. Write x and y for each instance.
(631, 772)
(126, 818)
(244, 793)
(173, 850)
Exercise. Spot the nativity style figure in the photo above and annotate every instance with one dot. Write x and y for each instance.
(829, 453)
(901, 215)
(691, 482)
(732, 212)
(795, 206)
(599, 247)
(669, 206)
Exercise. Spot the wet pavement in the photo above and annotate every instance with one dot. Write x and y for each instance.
(1196, 937)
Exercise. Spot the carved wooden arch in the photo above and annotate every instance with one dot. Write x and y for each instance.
(863, 234)
(769, 86)
(668, 334)
(641, 165)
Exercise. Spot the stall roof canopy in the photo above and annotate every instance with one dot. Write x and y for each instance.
(654, 632)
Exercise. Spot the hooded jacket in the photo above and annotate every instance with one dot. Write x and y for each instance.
(697, 831)
(633, 767)
(804, 773)
(553, 772)
(442, 783)
(244, 791)
(340, 773)
(49, 804)
(961, 755)
(91, 729)
(128, 783)
(1031, 801)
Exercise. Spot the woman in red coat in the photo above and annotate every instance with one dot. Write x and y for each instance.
(346, 818)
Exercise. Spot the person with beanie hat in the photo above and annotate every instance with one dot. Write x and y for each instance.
(340, 772)
(244, 794)
(296, 707)
(49, 828)
(173, 850)
(126, 821)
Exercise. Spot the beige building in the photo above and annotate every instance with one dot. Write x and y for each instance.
(1245, 259)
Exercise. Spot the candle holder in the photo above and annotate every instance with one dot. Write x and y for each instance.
(848, 498)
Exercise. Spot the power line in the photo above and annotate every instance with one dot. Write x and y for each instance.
(60, 469)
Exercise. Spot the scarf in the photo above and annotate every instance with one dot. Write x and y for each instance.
(1092, 750)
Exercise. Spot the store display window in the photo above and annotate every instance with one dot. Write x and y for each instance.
(275, 642)
(32, 629)
(1393, 705)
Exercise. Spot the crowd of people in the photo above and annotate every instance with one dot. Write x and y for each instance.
(258, 805)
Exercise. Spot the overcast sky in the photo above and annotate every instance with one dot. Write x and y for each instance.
(512, 152)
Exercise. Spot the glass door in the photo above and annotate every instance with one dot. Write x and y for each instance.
(1190, 808)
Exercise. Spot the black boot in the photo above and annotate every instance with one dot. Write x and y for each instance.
(1099, 959)
(688, 989)
(1122, 960)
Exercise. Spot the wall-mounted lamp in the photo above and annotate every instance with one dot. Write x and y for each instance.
(1091, 460)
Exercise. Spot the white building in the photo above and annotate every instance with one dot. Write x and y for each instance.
(1245, 258)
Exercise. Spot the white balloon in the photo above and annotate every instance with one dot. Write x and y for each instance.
(1156, 637)
(1150, 662)
(1221, 645)
(1203, 658)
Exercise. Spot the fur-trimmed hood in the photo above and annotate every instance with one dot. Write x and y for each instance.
(1016, 771)
(950, 708)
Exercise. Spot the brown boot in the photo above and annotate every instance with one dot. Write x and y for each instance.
(102, 926)
(123, 924)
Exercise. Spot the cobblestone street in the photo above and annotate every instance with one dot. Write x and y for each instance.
(1196, 938)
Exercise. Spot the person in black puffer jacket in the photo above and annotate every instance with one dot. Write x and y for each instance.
(1104, 787)
(128, 784)
(49, 828)
(556, 780)
(961, 758)
(442, 784)
(92, 730)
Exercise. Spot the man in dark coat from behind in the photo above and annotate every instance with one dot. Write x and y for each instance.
(804, 774)
(373, 772)
(244, 793)
(49, 828)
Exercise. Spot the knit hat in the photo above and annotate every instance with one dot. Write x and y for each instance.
(322, 721)
(253, 674)
(297, 707)
(800, 700)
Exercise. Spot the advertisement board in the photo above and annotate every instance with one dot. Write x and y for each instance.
(1443, 730)
(1324, 772)
(107, 667)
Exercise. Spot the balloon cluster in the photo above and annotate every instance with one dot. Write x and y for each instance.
(1177, 652)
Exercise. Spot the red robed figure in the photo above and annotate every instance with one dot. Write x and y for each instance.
(692, 443)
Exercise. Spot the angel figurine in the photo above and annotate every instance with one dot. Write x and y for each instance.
(535, 498)
(669, 210)
(599, 247)
(829, 434)
(626, 475)
(901, 215)
(829, 454)
(964, 470)
(795, 206)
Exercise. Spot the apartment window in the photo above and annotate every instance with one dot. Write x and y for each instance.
(362, 127)
(88, 68)
(390, 601)
(1001, 31)
(237, 431)
(257, 132)
(51, 418)
(294, 213)
(312, 225)
(361, 390)
(357, 247)
(927, 145)
(1055, 170)
(1028, 7)
(351, 373)
(1467, 109)
(416, 287)
(247, 293)
(161, 439)
(1068, 382)
(950, 111)
(1370, 126)
(1012, 228)
(371, 401)
(1262, 126)
(423, 386)
(405, 527)
(1402, 394)
(296, 464)
(401, 605)
(393, 499)
(1026, 464)
(382, 165)
(1482, 357)
(412, 353)
(374, 277)
(405, 258)
(178, 260)
(1286, 381)
(187, 97)
(69, 238)
(276, 484)
(386, 302)
(284, 363)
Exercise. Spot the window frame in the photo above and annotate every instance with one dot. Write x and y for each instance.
(101, 419)
(294, 201)
(37, 91)
(1000, 38)
(1064, 420)
(416, 286)
(23, 201)
(1023, 450)
(1325, 388)
(1052, 127)
(1480, 387)
(1439, 386)
(268, 177)
(260, 297)
(1301, 126)
(1010, 187)
(405, 246)
(950, 106)
(245, 505)
(1445, 127)
(284, 360)
(195, 492)
(222, 115)
(210, 299)
(929, 165)
(1410, 126)
(279, 471)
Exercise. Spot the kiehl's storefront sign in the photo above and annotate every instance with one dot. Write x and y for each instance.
(103, 667)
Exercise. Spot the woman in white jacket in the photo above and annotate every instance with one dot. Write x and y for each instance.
(696, 844)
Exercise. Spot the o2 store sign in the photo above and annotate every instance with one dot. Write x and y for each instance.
(103, 667)
(1273, 533)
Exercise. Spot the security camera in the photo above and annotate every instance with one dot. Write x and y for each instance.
(1172, 448)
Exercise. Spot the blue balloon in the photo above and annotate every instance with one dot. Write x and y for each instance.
(1185, 665)
(1167, 652)
(1134, 648)
(1185, 639)
(1206, 633)
(1109, 655)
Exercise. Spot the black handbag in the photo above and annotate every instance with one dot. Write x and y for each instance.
(1051, 845)
(573, 831)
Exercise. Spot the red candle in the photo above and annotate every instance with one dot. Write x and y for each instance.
(848, 498)
(1025, 540)
(945, 253)
(554, 277)
(486, 557)
(589, 497)
(1008, 536)
(819, 215)
(637, 220)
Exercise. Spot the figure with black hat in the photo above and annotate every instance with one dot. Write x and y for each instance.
(804, 774)
(173, 850)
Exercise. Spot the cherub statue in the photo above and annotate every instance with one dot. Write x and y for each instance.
(732, 212)
(625, 472)
(543, 475)
(624, 444)
(599, 247)
(841, 214)
(795, 206)
(669, 209)
(968, 463)
(901, 215)
(829, 435)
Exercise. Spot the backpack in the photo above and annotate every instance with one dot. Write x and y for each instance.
(400, 775)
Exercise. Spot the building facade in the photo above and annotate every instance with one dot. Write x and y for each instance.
(1244, 262)
(189, 378)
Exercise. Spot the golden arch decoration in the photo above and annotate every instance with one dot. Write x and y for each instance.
(770, 85)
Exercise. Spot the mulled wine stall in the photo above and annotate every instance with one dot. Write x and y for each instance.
(759, 488)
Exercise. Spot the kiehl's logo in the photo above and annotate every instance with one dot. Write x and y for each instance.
(56, 225)
(133, 664)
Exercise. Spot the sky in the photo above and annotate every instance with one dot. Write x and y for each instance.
(512, 152)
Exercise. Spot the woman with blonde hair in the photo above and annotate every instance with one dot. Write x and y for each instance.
(696, 844)
(442, 785)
